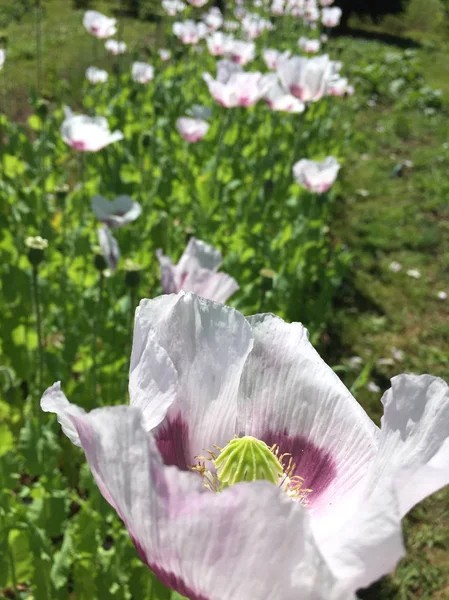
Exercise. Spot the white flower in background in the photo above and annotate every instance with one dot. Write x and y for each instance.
(442, 295)
(278, 100)
(254, 26)
(2, 58)
(142, 72)
(213, 18)
(115, 47)
(372, 387)
(198, 3)
(116, 213)
(232, 89)
(231, 25)
(311, 46)
(330, 17)
(272, 57)
(197, 271)
(324, 38)
(316, 176)
(414, 273)
(219, 43)
(173, 7)
(325, 3)
(311, 15)
(319, 520)
(239, 13)
(99, 25)
(395, 266)
(278, 7)
(109, 247)
(307, 78)
(164, 54)
(397, 354)
(242, 52)
(189, 32)
(192, 130)
(339, 86)
(355, 362)
(385, 362)
(87, 134)
(95, 75)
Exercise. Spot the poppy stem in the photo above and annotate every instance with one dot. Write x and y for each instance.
(38, 46)
(37, 312)
(224, 126)
(95, 330)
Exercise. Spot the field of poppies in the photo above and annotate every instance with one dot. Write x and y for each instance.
(212, 153)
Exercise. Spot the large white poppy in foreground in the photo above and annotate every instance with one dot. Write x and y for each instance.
(325, 518)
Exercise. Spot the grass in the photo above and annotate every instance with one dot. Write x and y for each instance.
(405, 218)
(64, 70)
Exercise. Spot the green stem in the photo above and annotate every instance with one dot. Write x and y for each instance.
(37, 311)
(95, 336)
(224, 126)
(38, 46)
(13, 572)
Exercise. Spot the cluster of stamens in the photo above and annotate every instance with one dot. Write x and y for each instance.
(211, 466)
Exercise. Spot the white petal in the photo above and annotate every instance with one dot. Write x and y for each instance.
(153, 382)
(208, 344)
(55, 401)
(199, 254)
(289, 396)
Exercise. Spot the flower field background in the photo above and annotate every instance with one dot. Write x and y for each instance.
(364, 265)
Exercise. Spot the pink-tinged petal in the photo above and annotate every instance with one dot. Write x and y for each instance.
(55, 401)
(199, 254)
(153, 382)
(208, 344)
(414, 440)
(220, 287)
(168, 273)
(363, 541)
(289, 396)
(249, 541)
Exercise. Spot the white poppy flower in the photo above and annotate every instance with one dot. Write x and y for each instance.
(320, 518)
(273, 58)
(189, 32)
(414, 273)
(192, 130)
(219, 43)
(116, 213)
(242, 52)
(95, 75)
(316, 176)
(311, 46)
(279, 100)
(142, 72)
(307, 78)
(173, 7)
(164, 54)
(115, 47)
(330, 17)
(87, 134)
(109, 247)
(99, 25)
(2, 58)
(241, 89)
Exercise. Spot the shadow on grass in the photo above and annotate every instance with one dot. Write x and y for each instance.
(379, 36)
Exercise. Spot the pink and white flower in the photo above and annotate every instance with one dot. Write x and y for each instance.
(242, 52)
(307, 78)
(231, 25)
(87, 134)
(116, 213)
(213, 19)
(99, 25)
(197, 271)
(311, 46)
(316, 176)
(164, 54)
(278, 7)
(192, 130)
(201, 374)
(254, 26)
(109, 247)
(330, 17)
(240, 89)
(339, 86)
(94, 75)
(198, 3)
(278, 100)
(219, 43)
(115, 47)
(173, 7)
(142, 72)
(189, 32)
(273, 58)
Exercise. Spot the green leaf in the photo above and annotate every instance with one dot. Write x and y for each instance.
(6, 439)
(62, 561)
